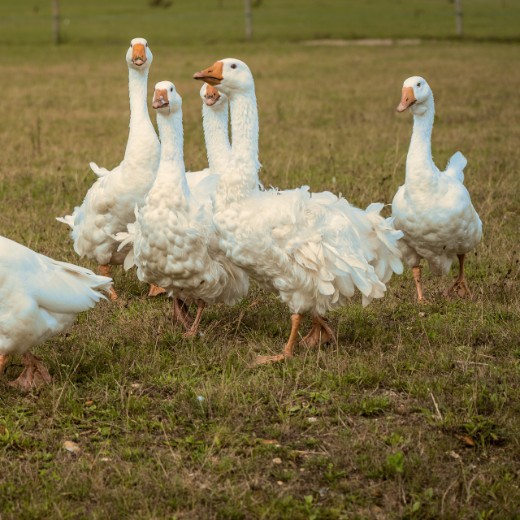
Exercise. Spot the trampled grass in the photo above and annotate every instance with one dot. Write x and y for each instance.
(414, 414)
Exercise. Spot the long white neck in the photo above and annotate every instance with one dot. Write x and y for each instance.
(420, 168)
(171, 171)
(215, 121)
(241, 177)
(142, 136)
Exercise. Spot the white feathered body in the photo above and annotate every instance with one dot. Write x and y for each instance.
(109, 204)
(175, 248)
(175, 245)
(313, 249)
(434, 208)
(40, 297)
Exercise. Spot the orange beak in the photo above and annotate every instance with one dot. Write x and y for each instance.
(211, 75)
(212, 95)
(160, 98)
(407, 99)
(138, 54)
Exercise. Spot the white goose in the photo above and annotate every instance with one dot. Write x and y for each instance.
(174, 242)
(109, 204)
(215, 122)
(39, 298)
(433, 208)
(313, 249)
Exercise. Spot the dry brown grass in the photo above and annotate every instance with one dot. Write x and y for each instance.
(380, 426)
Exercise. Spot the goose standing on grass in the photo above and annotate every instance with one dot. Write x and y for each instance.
(433, 208)
(174, 242)
(39, 298)
(109, 204)
(313, 249)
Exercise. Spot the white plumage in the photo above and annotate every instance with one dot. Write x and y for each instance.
(39, 298)
(215, 118)
(109, 204)
(174, 242)
(313, 249)
(433, 208)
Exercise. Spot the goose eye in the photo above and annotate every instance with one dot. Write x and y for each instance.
(171, 89)
(233, 65)
(146, 44)
(419, 84)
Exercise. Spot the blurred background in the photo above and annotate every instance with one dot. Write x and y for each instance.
(209, 21)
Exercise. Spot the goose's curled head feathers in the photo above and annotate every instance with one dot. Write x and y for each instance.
(139, 56)
(416, 94)
(166, 99)
(228, 75)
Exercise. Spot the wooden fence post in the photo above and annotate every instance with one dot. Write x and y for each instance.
(458, 17)
(249, 19)
(56, 38)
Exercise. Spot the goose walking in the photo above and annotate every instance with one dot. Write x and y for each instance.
(109, 204)
(174, 242)
(39, 298)
(433, 208)
(314, 249)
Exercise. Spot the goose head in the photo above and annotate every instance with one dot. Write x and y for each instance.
(228, 75)
(166, 100)
(139, 56)
(211, 96)
(415, 95)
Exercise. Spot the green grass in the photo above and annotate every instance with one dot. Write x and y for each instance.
(214, 21)
(414, 414)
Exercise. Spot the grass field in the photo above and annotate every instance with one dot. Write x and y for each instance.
(414, 414)
(211, 21)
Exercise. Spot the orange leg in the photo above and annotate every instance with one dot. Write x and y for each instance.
(180, 313)
(3, 361)
(460, 286)
(289, 346)
(321, 333)
(195, 325)
(104, 270)
(417, 277)
(34, 374)
(155, 290)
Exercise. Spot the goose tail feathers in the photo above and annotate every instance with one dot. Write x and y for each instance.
(67, 219)
(98, 170)
(456, 166)
(74, 288)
